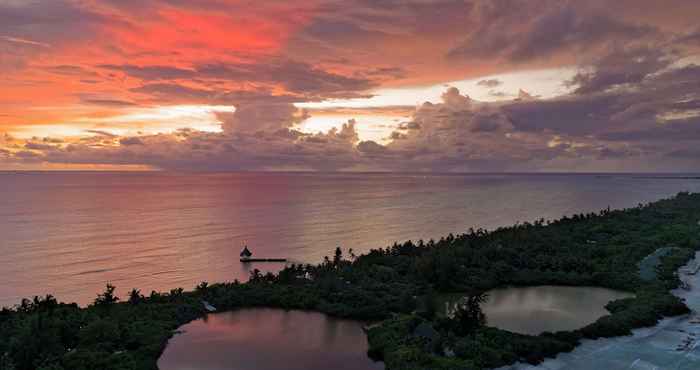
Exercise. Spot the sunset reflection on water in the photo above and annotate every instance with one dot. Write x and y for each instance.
(269, 339)
(68, 234)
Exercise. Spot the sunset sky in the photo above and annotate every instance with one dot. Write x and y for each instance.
(367, 85)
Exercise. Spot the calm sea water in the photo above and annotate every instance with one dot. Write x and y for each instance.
(70, 233)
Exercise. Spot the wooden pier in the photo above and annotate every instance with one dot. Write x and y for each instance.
(263, 260)
(247, 256)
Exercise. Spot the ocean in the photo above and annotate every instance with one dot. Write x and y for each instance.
(70, 233)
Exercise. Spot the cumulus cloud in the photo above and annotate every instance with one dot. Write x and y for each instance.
(261, 116)
(236, 148)
(638, 122)
(634, 100)
(650, 119)
(650, 116)
(370, 147)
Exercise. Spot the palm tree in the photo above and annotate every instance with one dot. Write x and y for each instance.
(337, 257)
(468, 314)
(135, 296)
(107, 298)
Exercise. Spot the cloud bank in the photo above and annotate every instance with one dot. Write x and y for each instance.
(632, 105)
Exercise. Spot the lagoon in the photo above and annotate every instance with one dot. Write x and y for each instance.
(533, 310)
(268, 339)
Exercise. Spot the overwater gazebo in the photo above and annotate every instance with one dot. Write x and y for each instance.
(245, 254)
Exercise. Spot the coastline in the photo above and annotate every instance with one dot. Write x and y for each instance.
(672, 344)
(388, 285)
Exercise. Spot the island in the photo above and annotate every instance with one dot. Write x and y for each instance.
(393, 289)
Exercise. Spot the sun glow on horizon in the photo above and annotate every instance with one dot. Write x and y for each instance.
(133, 121)
(544, 83)
(369, 126)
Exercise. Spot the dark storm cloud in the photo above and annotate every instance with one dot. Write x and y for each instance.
(70, 71)
(570, 115)
(690, 153)
(175, 92)
(621, 67)
(28, 28)
(371, 20)
(371, 147)
(389, 73)
(194, 150)
(305, 79)
(28, 156)
(130, 141)
(101, 133)
(106, 102)
(341, 31)
(38, 146)
(519, 31)
(637, 108)
(47, 21)
(687, 130)
(296, 77)
(634, 101)
(647, 117)
(151, 73)
(691, 38)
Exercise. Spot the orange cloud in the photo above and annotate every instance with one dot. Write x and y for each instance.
(188, 35)
(68, 66)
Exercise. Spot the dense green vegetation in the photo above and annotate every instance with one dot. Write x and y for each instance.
(393, 287)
